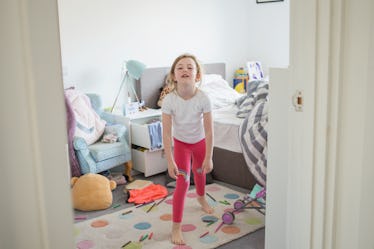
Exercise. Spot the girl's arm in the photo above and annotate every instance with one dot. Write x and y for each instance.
(208, 128)
(167, 141)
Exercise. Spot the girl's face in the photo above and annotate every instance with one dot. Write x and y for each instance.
(185, 71)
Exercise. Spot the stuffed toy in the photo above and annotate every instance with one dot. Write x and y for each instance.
(164, 91)
(92, 192)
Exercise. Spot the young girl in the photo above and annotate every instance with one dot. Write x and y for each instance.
(186, 112)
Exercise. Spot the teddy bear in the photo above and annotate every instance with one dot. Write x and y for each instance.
(92, 192)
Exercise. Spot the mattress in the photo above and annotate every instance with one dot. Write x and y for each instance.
(226, 128)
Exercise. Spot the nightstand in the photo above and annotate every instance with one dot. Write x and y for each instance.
(146, 159)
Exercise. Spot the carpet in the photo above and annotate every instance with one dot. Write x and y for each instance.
(149, 226)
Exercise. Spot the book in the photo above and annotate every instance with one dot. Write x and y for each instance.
(138, 184)
(255, 70)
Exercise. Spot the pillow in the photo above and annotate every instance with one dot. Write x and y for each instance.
(113, 133)
(89, 125)
(218, 90)
(116, 129)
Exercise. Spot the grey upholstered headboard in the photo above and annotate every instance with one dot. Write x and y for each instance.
(153, 79)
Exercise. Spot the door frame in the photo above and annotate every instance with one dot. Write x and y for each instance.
(308, 190)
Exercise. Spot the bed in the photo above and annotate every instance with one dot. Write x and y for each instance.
(232, 129)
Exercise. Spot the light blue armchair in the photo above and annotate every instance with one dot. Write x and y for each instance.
(100, 156)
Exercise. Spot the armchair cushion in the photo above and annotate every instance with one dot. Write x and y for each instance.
(101, 151)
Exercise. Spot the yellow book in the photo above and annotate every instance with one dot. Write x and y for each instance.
(138, 184)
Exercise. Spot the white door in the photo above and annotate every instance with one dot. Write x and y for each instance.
(291, 133)
(321, 199)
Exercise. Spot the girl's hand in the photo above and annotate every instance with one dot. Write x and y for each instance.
(207, 166)
(173, 171)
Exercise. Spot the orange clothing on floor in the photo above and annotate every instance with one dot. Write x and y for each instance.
(147, 194)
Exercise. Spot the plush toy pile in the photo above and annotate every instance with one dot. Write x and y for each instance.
(92, 192)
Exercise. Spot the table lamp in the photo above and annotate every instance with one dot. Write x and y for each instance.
(134, 69)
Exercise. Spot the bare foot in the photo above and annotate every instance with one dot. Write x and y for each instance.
(176, 234)
(204, 205)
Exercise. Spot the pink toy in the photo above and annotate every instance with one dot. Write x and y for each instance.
(229, 217)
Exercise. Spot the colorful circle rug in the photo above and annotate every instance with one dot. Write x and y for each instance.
(149, 226)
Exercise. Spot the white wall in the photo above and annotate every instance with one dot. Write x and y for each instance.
(98, 35)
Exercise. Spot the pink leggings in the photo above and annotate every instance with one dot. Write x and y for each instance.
(183, 152)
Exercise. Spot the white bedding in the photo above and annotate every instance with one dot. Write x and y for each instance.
(226, 123)
(226, 128)
(240, 121)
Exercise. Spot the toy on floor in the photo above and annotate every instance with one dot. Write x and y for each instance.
(92, 192)
(254, 200)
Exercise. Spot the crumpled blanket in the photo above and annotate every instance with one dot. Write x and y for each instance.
(253, 132)
(89, 125)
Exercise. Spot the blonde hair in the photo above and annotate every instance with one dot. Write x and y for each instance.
(170, 78)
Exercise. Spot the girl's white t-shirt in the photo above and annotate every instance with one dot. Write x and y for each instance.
(187, 115)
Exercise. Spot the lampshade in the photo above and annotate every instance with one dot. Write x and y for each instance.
(133, 70)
